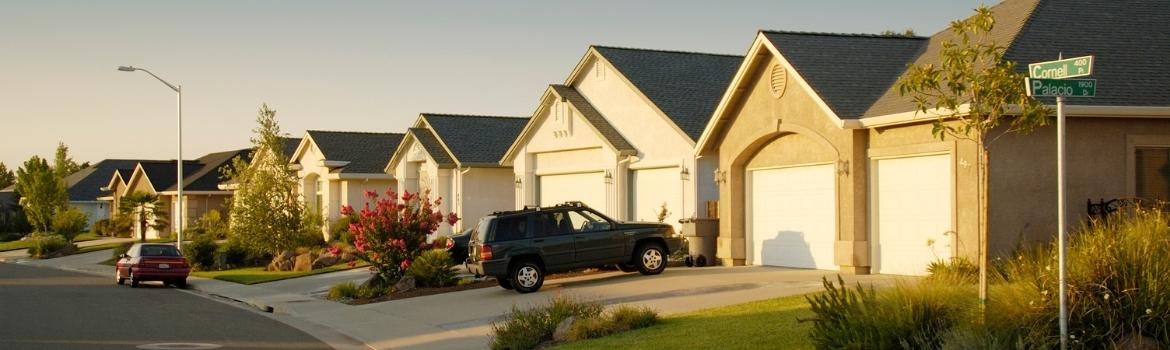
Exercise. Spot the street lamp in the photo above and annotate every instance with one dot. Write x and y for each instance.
(178, 161)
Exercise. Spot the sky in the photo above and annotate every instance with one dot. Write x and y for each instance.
(344, 65)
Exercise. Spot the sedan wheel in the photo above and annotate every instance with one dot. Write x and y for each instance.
(651, 260)
(527, 277)
(133, 281)
(118, 277)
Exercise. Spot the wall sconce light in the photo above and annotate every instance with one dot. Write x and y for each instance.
(684, 174)
(842, 167)
(519, 182)
(608, 177)
(719, 176)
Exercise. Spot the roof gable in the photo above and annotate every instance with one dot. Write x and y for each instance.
(431, 145)
(685, 86)
(848, 82)
(86, 184)
(475, 140)
(211, 172)
(366, 152)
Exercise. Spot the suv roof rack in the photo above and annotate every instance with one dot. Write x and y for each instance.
(532, 208)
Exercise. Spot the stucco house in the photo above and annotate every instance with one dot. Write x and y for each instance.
(336, 168)
(619, 135)
(201, 192)
(456, 158)
(823, 164)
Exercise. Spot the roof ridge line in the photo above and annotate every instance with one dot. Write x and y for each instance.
(665, 51)
(347, 132)
(473, 115)
(848, 35)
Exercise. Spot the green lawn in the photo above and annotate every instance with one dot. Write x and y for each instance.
(254, 275)
(767, 324)
(17, 245)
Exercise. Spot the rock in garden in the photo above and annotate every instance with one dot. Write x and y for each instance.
(561, 334)
(348, 257)
(303, 262)
(405, 284)
(326, 260)
(282, 262)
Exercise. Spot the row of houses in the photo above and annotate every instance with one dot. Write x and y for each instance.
(803, 149)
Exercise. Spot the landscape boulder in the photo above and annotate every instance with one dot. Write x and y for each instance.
(283, 261)
(303, 262)
(326, 260)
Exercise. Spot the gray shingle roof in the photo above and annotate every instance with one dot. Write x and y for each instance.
(847, 81)
(290, 146)
(161, 173)
(211, 171)
(86, 184)
(595, 118)
(476, 140)
(686, 86)
(1128, 39)
(7, 199)
(432, 146)
(366, 152)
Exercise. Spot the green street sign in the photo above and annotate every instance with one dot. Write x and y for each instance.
(1061, 87)
(1060, 69)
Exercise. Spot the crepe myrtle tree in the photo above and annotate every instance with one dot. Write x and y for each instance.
(978, 97)
(391, 231)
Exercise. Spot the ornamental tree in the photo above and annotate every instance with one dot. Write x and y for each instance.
(392, 232)
(979, 97)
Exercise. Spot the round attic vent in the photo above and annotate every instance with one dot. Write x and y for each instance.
(779, 80)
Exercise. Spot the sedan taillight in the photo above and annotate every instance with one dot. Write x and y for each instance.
(485, 252)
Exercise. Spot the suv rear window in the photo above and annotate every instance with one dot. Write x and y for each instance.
(507, 229)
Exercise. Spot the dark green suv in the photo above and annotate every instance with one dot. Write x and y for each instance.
(520, 247)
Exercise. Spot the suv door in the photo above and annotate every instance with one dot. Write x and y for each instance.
(554, 239)
(597, 241)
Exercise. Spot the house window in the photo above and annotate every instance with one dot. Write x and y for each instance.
(1152, 172)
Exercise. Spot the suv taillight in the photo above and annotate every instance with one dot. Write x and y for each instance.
(485, 252)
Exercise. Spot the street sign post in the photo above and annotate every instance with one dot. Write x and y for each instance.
(1061, 87)
(1049, 79)
(1061, 69)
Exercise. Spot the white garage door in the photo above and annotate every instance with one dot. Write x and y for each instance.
(912, 211)
(792, 218)
(585, 187)
(649, 189)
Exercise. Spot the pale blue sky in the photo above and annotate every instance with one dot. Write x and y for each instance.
(344, 65)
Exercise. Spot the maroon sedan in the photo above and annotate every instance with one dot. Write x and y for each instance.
(152, 262)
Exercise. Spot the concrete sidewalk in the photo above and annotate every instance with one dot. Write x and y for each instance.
(462, 320)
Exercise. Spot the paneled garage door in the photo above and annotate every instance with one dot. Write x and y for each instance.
(792, 216)
(585, 187)
(911, 213)
(649, 189)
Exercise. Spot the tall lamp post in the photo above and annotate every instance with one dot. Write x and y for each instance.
(178, 161)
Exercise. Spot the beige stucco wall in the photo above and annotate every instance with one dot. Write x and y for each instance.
(761, 129)
(1023, 175)
(336, 189)
(483, 191)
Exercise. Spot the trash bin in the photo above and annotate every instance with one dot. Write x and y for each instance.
(700, 234)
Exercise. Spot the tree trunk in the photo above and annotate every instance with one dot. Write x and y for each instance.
(983, 231)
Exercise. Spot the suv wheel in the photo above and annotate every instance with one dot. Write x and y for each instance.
(504, 282)
(526, 277)
(651, 259)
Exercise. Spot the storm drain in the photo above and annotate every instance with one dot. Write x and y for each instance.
(179, 346)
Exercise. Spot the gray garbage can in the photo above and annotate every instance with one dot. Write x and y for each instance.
(700, 234)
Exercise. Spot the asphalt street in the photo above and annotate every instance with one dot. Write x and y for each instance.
(43, 308)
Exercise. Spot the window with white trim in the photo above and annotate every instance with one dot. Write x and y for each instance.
(1152, 173)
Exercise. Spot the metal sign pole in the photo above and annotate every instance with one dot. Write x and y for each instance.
(1060, 218)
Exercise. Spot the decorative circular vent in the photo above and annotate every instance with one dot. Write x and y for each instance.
(779, 80)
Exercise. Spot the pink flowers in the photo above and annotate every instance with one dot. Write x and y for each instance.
(389, 233)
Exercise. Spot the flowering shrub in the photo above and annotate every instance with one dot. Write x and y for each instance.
(392, 232)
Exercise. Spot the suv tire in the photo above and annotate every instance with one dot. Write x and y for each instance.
(504, 282)
(651, 259)
(627, 267)
(526, 277)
